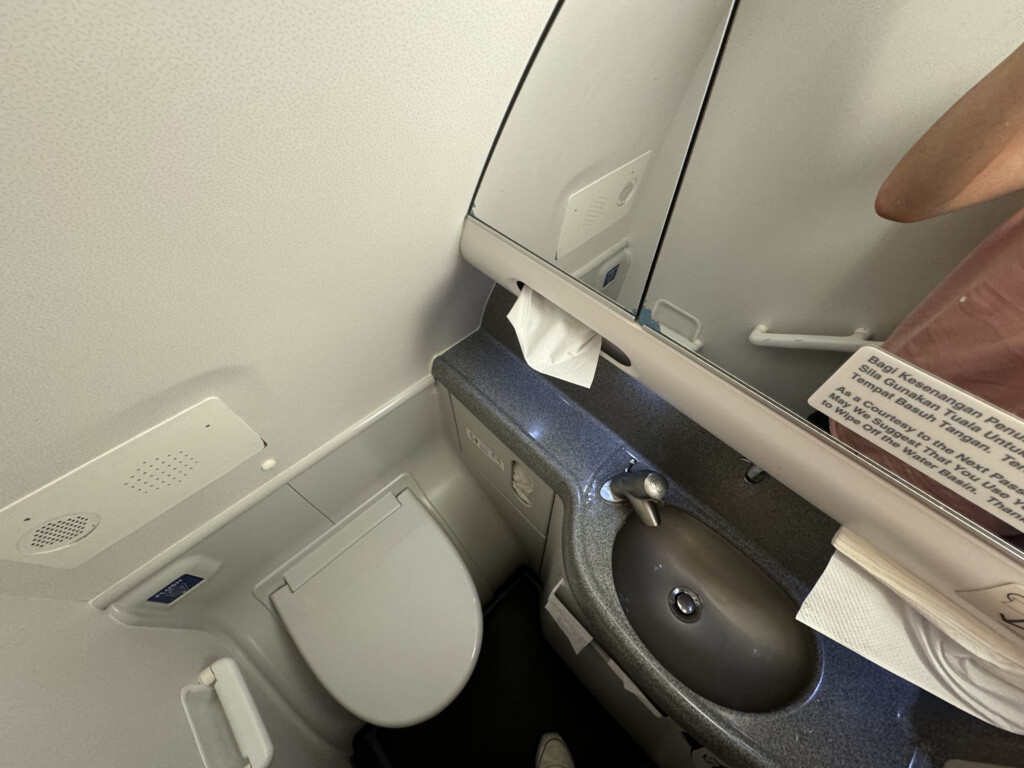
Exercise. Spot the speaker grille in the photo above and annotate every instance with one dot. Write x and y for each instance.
(162, 472)
(594, 211)
(57, 533)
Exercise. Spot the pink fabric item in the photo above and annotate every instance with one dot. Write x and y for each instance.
(970, 332)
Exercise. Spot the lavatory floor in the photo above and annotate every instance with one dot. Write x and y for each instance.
(519, 690)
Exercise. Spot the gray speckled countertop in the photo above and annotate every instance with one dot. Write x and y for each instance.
(854, 714)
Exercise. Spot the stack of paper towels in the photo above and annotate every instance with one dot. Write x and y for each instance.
(886, 614)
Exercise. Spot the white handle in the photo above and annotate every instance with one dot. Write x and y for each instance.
(670, 321)
(859, 338)
(243, 717)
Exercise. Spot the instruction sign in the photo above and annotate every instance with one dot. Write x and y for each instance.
(961, 441)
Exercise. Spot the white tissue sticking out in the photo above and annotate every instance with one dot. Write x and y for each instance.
(554, 342)
(896, 621)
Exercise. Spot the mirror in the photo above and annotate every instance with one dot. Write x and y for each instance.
(774, 224)
(587, 163)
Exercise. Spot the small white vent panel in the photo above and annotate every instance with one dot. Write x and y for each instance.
(77, 516)
(591, 210)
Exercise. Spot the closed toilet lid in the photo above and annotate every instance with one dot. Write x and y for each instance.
(386, 614)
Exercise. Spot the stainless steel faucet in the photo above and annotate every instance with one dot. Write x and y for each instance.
(644, 490)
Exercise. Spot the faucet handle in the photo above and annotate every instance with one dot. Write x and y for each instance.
(644, 490)
(656, 486)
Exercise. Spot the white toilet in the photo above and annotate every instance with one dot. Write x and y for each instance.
(385, 613)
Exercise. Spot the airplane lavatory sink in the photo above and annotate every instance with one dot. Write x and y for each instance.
(712, 617)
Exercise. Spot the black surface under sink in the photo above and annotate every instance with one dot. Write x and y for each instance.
(712, 617)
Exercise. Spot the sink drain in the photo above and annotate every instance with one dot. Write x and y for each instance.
(685, 604)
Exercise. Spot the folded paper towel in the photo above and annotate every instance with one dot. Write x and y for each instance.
(554, 342)
(886, 614)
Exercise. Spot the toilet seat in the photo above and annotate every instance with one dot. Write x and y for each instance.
(385, 613)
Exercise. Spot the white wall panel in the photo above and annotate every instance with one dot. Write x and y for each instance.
(83, 691)
(259, 201)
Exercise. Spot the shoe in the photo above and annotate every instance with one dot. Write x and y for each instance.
(553, 753)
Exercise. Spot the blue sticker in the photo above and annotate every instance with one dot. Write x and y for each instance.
(610, 276)
(646, 318)
(175, 589)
